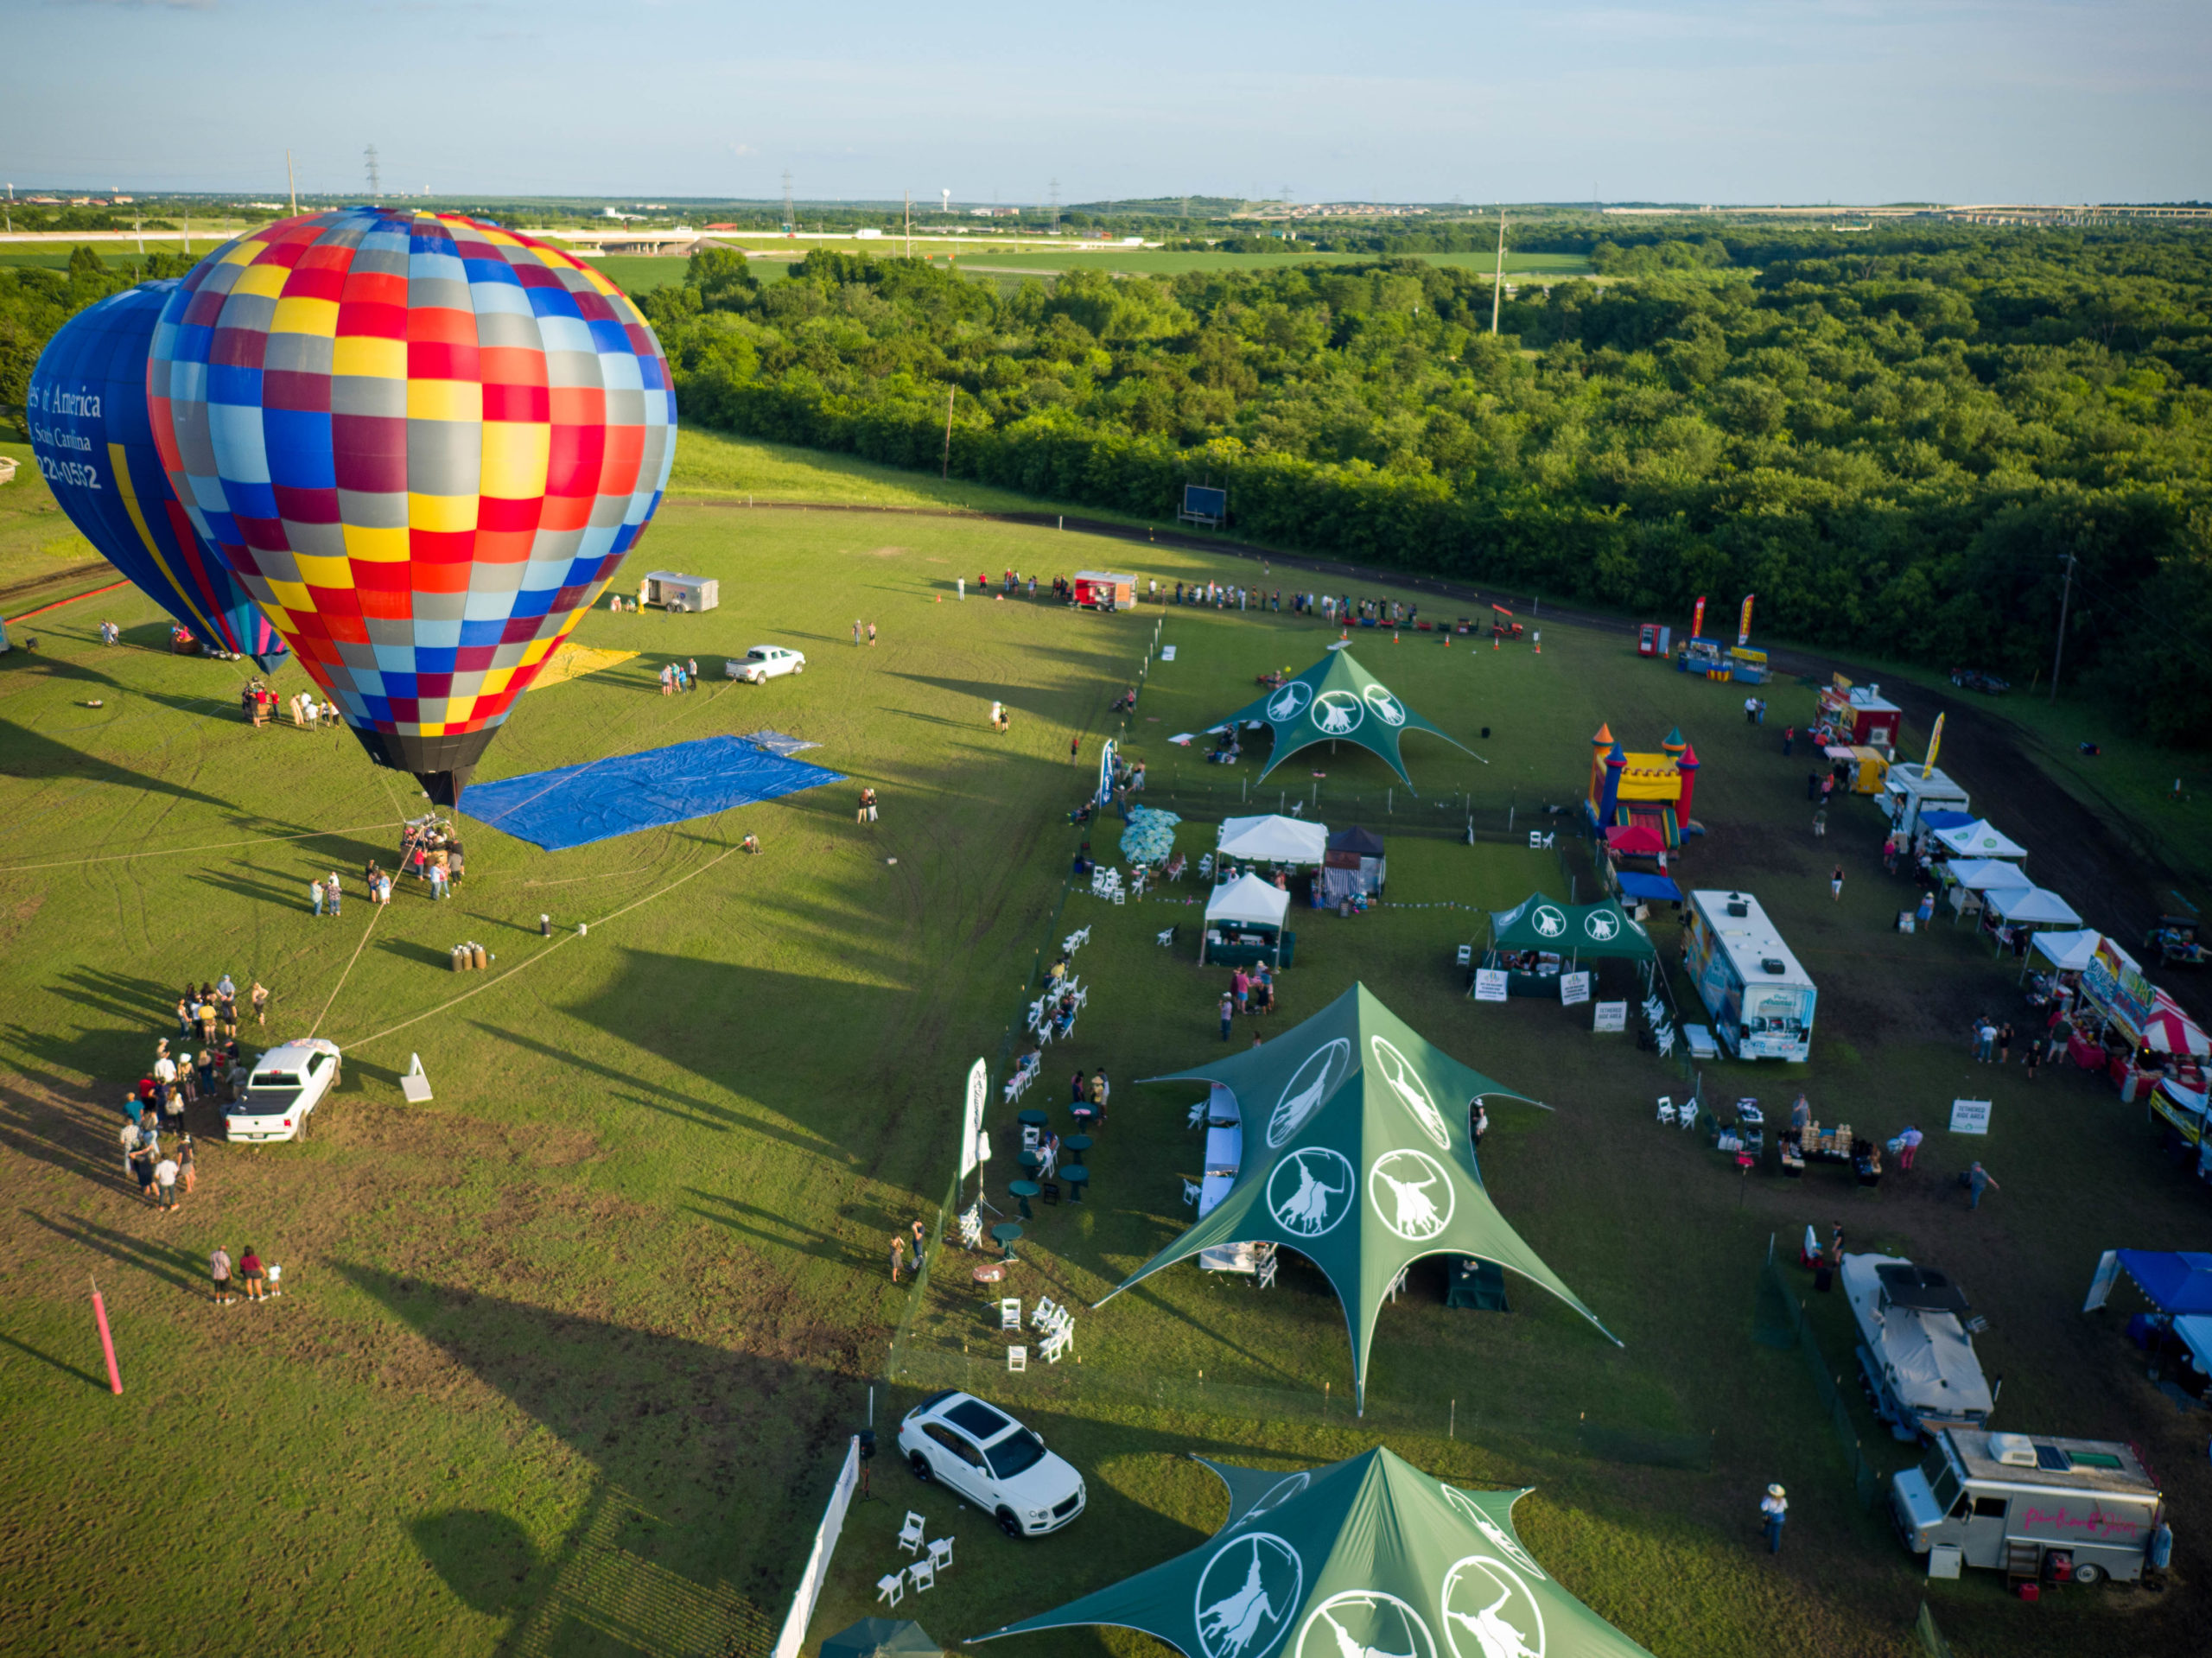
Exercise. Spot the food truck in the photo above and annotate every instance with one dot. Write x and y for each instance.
(1760, 999)
(1906, 794)
(1859, 715)
(1102, 590)
(2032, 1506)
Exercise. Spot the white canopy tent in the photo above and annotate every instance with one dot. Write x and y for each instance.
(1274, 840)
(2068, 952)
(2031, 906)
(1250, 900)
(1981, 839)
(1986, 874)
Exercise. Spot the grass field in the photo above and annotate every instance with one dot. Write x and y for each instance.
(569, 1354)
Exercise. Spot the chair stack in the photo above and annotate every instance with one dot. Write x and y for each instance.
(1057, 1324)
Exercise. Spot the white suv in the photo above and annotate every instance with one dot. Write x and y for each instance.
(287, 1084)
(766, 662)
(981, 1453)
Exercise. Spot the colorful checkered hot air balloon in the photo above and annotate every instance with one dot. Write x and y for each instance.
(86, 406)
(423, 443)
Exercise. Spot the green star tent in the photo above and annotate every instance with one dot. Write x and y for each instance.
(1337, 701)
(1595, 930)
(1356, 1152)
(1369, 1556)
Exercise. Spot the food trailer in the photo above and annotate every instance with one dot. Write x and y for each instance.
(1653, 638)
(2033, 1506)
(1906, 794)
(1760, 999)
(673, 592)
(1861, 713)
(1102, 590)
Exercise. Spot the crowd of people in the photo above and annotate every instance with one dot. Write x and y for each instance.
(158, 1150)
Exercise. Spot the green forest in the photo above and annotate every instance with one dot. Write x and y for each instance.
(1896, 439)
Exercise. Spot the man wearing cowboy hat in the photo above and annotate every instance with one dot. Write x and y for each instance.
(1773, 1512)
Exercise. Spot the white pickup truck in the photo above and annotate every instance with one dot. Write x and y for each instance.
(286, 1085)
(764, 663)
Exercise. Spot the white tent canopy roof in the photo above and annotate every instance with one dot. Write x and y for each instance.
(2070, 952)
(1248, 899)
(1274, 840)
(2032, 907)
(1985, 874)
(1981, 839)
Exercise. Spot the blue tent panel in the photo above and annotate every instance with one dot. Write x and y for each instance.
(578, 804)
(1941, 821)
(2178, 1281)
(1636, 885)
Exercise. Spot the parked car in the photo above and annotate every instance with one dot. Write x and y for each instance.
(764, 663)
(1978, 679)
(981, 1454)
(283, 1090)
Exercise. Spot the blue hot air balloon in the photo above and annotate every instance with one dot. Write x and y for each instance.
(89, 429)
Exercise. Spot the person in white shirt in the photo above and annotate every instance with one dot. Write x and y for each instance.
(164, 1068)
(165, 1183)
(1773, 1513)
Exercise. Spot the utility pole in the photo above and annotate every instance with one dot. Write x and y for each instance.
(945, 470)
(376, 183)
(1498, 279)
(291, 183)
(1056, 206)
(791, 221)
(2058, 651)
(910, 224)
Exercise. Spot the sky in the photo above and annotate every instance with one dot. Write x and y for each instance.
(1854, 101)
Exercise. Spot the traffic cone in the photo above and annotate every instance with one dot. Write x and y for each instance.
(1540, 647)
(1394, 636)
(1493, 641)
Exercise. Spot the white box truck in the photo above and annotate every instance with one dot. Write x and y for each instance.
(1906, 794)
(2073, 1510)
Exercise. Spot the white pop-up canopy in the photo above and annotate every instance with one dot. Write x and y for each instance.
(2070, 952)
(1986, 874)
(1249, 900)
(1274, 840)
(2031, 906)
(1981, 839)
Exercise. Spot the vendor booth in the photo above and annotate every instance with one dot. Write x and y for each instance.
(1642, 890)
(2126, 1027)
(1539, 938)
(1859, 714)
(1969, 881)
(1273, 840)
(1981, 839)
(1353, 865)
(2066, 952)
(1910, 790)
(2011, 915)
(1244, 924)
(1102, 590)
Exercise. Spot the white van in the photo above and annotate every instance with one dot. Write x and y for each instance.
(2031, 1505)
(286, 1085)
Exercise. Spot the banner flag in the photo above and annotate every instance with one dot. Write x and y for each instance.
(1743, 624)
(1697, 619)
(971, 1120)
(1934, 742)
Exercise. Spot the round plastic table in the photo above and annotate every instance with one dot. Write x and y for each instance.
(1006, 1232)
(1077, 1177)
(1076, 1146)
(1023, 1190)
(1031, 1162)
(1034, 1117)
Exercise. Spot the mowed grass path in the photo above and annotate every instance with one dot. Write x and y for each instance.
(568, 1355)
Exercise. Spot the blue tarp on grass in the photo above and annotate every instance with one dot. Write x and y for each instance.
(577, 805)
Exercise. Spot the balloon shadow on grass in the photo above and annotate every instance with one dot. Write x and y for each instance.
(484, 1557)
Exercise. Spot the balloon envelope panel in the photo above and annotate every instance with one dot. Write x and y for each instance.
(87, 403)
(424, 444)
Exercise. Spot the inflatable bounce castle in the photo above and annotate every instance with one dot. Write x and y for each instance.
(1652, 790)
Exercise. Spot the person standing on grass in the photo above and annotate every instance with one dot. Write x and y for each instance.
(871, 632)
(1819, 822)
(1926, 912)
(1075, 746)
(336, 893)
(130, 1136)
(898, 1238)
(1228, 1014)
(1908, 1147)
(1240, 986)
(143, 1157)
(2032, 1058)
(187, 1166)
(260, 1003)
(316, 895)
(1979, 1181)
(2005, 1042)
(218, 1272)
(1480, 1124)
(165, 1067)
(1789, 740)
(165, 1185)
(1835, 884)
(919, 1236)
(1774, 1513)
(251, 1270)
(856, 630)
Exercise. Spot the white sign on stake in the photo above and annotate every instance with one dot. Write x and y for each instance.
(1489, 984)
(1969, 1116)
(1573, 988)
(1609, 1016)
(1167, 653)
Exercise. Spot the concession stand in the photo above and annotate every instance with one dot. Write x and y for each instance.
(1853, 716)
(1244, 925)
(1104, 590)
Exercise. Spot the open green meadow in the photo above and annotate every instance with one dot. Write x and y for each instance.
(569, 1356)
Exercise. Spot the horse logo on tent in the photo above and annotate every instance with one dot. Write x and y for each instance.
(1405, 1082)
(1310, 1190)
(1602, 926)
(1337, 713)
(1488, 1612)
(1387, 708)
(1276, 1494)
(1290, 701)
(1365, 1624)
(1308, 1086)
(1411, 1193)
(1507, 1544)
(1549, 920)
(1247, 1596)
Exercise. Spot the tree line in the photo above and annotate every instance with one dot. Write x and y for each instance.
(1896, 439)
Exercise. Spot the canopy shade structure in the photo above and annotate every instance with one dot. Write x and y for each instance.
(1364, 843)
(1981, 839)
(1248, 899)
(1356, 1154)
(1636, 840)
(1647, 887)
(1337, 700)
(2169, 1029)
(1986, 874)
(1599, 930)
(1943, 820)
(2176, 1281)
(2070, 952)
(2032, 907)
(881, 1637)
(1274, 840)
(1367, 1556)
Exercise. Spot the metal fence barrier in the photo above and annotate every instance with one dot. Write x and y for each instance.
(1779, 1321)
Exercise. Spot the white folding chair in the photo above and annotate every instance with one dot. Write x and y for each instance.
(1010, 1313)
(971, 1228)
(1536, 840)
(1165, 936)
(1056, 1344)
(1042, 1314)
(1030, 1134)
(923, 1575)
(1081, 998)
(1045, 1034)
(1665, 1037)
(1205, 866)
(1266, 1278)
(1190, 1191)
(891, 1588)
(910, 1534)
(1398, 1284)
(1017, 1358)
(1466, 954)
(1689, 1115)
(1549, 838)
(1666, 1109)
(1198, 1113)
(940, 1553)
